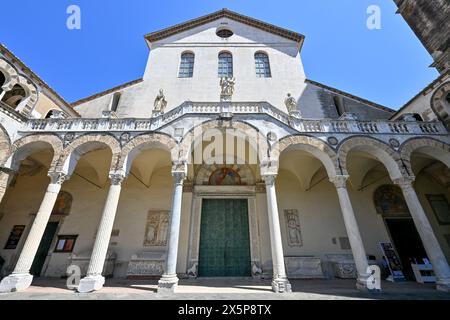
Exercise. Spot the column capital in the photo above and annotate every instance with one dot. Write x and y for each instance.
(57, 177)
(116, 178)
(340, 181)
(269, 178)
(178, 176)
(404, 182)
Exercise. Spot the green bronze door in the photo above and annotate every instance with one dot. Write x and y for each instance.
(224, 239)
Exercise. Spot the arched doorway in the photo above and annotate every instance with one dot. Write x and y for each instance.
(389, 202)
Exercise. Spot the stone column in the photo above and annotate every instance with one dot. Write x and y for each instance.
(280, 282)
(2, 93)
(21, 278)
(169, 280)
(94, 280)
(429, 240)
(351, 226)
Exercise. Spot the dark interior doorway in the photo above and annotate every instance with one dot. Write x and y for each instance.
(407, 242)
(44, 247)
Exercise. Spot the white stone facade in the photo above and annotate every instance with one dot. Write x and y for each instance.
(325, 163)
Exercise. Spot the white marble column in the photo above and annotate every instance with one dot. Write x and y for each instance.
(429, 240)
(94, 280)
(169, 280)
(280, 282)
(354, 236)
(21, 278)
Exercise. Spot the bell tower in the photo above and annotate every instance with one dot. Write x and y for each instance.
(430, 22)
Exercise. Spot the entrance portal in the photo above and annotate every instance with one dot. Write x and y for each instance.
(224, 239)
(407, 242)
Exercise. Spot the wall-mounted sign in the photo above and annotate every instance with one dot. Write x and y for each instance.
(393, 262)
(14, 237)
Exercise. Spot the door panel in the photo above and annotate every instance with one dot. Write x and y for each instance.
(43, 249)
(224, 239)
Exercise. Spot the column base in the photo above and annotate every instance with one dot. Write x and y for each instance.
(16, 282)
(91, 283)
(281, 286)
(443, 286)
(168, 284)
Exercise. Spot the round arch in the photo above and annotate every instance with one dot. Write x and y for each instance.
(439, 103)
(25, 146)
(84, 144)
(314, 146)
(145, 142)
(11, 76)
(382, 152)
(191, 139)
(434, 148)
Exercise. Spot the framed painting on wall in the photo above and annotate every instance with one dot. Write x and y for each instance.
(14, 237)
(441, 208)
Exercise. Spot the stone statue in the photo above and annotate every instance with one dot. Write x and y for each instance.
(160, 102)
(291, 103)
(227, 85)
(293, 227)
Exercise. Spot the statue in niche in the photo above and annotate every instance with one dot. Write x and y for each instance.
(160, 102)
(157, 228)
(291, 103)
(293, 228)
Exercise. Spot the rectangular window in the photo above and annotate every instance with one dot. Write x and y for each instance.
(262, 65)
(225, 65)
(440, 206)
(65, 244)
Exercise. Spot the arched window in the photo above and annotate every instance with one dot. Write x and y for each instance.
(186, 65)
(49, 114)
(115, 101)
(2, 80)
(13, 97)
(262, 65)
(225, 65)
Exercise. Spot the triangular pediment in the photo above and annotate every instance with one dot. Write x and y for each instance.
(224, 13)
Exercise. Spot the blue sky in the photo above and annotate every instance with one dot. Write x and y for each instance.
(387, 66)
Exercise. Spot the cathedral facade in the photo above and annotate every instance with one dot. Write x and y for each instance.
(224, 160)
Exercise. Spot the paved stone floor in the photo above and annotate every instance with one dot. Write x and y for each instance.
(227, 289)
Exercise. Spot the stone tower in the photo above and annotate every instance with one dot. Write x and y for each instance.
(430, 21)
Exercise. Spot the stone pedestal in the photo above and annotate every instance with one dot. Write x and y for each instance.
(146, 265)
(91, 283)
(304, 268)
(16, 282)
(168, 284)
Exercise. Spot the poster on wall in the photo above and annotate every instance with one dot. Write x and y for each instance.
(14, 237)
(393, 262)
